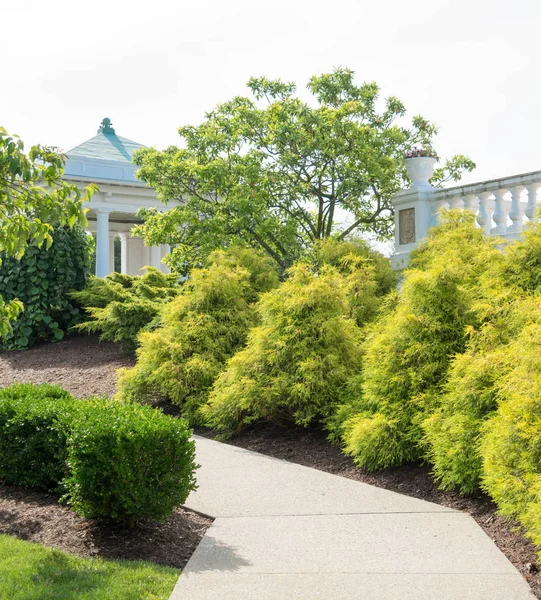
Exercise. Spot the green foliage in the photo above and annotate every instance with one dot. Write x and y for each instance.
(128, 462)
(33, 199)
(34, 424)
(277, 173)
(32, 572)
(409, 349)
(297, 362)
(470, 397)
(368, 274)
(200, 329)
(120, 306)
(41, 280)
(511, 445)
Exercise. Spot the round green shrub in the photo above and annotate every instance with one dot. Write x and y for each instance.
(128, 462)
(42, 280)
(296, 364)
(34, 426)
(200, 329)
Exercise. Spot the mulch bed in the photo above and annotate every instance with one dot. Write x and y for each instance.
(37, 517)
(87, 367)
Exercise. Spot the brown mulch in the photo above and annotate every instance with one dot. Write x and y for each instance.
(309, 447)
(87, 367)
(81, 365)
(37, 517)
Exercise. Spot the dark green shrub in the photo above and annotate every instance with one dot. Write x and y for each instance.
(41, 280)
(409, 349)
(296, 364)
(200, 329)
(34, 425)
(128, 462)
(120, 306)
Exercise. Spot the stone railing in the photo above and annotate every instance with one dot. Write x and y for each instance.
(503, 206)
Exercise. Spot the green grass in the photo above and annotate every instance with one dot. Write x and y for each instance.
(32, 572)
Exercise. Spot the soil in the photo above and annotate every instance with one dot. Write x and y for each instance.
(81, 365)
(36, 516)
(87, 367)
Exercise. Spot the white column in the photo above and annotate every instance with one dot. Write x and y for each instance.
(499, 216)
(123, 252)
(102, 243)
(532, 200)
(112, 235)
(483, 217)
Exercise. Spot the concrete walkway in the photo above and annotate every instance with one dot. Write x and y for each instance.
(284, 531)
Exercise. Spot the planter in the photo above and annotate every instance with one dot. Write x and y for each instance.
(420, 170)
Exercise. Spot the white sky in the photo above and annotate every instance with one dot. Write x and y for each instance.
(473, 66)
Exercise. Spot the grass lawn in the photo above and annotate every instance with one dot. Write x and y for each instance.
(32, 572)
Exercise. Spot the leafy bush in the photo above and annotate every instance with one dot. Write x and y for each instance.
(506, 306)
(120, 306)
(297, 362)
(511, 445)
(41, 280)
(200, 329)
(409, 349)
(128, 462)
(34, 425)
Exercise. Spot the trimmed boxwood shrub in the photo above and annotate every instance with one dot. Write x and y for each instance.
(34, 427)
(116, 460)
(128, 462)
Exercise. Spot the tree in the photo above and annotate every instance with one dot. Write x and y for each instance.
(278, 173)
(33, 200)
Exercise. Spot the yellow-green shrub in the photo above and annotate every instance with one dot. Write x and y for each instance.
(120, 306)
(200, 329)
(505, 306)
(409, 349)
(511, 444)
(297, 362)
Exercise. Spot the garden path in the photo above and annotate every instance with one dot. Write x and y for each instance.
(286, 531)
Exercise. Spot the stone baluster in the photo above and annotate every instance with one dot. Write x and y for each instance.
(454, 201)
(483, 217)
(532, 200)
(515, 214)
(470, 202)
(499, 216)
(438, 204)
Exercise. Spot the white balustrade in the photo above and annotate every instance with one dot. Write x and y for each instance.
(502, 207)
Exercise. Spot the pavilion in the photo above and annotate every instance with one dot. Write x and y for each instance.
(106, 160)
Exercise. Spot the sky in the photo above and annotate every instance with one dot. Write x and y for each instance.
(472, 66)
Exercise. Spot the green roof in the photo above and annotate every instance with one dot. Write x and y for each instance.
(106, 146)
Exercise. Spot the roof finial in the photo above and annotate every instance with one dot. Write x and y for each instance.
(105, 126)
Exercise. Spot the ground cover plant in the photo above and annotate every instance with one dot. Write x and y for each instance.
(42, 279)
(120, 306)
(296, 362)
(200, 329)
(120, 461)
(31, 572)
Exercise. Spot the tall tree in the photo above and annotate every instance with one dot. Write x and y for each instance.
(279, 173)
(33, 199)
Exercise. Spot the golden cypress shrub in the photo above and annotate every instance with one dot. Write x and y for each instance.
(200, 329)
(409, 349)
(296, 363)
